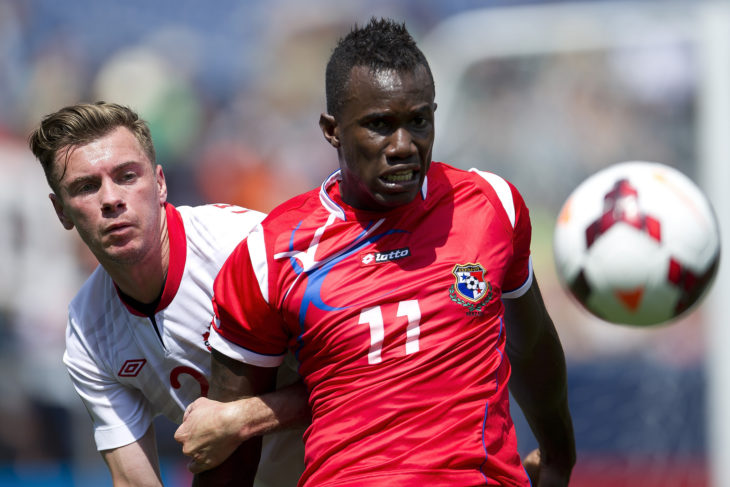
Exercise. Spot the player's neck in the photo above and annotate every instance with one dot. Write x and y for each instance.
(144, 281)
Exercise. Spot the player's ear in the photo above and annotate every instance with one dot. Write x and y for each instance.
(58, 206)
(161, 184)
(330, 129)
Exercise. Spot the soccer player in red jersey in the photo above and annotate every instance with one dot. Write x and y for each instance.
(136, 340)
(405, 289)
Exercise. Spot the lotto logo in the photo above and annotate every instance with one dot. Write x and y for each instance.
(131, 368)
(368, 258)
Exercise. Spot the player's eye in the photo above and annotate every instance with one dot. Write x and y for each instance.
(129, 176)
(84, 188)
(377, 125)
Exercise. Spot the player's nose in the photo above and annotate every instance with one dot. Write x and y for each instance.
(401, 144)
(110, 197)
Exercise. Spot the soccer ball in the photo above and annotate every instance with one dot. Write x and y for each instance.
(637, 243)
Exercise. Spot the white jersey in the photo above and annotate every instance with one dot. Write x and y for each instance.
(129, 368)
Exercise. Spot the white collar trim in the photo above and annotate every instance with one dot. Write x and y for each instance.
(336, 209)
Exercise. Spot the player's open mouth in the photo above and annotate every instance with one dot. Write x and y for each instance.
(398, 177)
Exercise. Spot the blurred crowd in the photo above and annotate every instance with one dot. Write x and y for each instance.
(233, 91)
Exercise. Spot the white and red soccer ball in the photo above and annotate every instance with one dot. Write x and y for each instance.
(637, 243)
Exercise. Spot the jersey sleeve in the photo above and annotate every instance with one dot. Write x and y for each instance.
(245, 326)
(120, 415)
(518, 277)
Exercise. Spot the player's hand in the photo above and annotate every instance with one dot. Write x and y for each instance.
(542, 474)
(532, 466)
(209, 433)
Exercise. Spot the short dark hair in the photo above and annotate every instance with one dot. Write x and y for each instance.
(380, 45)
(80, 124)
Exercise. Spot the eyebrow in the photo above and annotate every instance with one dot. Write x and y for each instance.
(426, 107)
(388, 113)
(80, 181)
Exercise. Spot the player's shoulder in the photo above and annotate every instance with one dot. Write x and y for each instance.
(496, 190)
(94, 326)
(220, 214)
(479, 177)
(94, 302)
(293, 210)
(218, 224)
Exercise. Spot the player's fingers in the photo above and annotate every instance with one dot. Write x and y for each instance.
(197, 466)
(188, 410)
(181, 434)
(532, 466)
(193, 467)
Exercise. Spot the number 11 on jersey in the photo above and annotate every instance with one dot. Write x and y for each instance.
(374, 318)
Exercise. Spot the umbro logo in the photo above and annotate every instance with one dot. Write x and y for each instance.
(131, 368)
(370, 258)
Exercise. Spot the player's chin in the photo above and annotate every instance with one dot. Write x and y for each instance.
(123, 254)
(388, 200)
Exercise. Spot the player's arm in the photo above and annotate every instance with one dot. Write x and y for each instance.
(212, 430)
(232, 380)
(136, 464)
(539, 383)
(121, 415)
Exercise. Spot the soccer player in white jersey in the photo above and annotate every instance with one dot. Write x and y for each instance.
(405, 288)
(137, 334)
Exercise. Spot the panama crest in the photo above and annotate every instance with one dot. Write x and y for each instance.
(470, 290)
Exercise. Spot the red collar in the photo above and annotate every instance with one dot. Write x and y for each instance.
(176, 265)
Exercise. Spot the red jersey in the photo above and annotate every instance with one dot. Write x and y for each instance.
(397, 320)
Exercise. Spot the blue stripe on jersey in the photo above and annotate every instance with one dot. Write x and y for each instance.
(486, 406)
(316, 276)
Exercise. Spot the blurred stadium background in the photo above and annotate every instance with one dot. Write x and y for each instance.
(543, 93)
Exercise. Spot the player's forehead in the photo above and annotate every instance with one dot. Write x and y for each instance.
(368, 87)
(118, 142)
(364, 77)
(106, 152)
